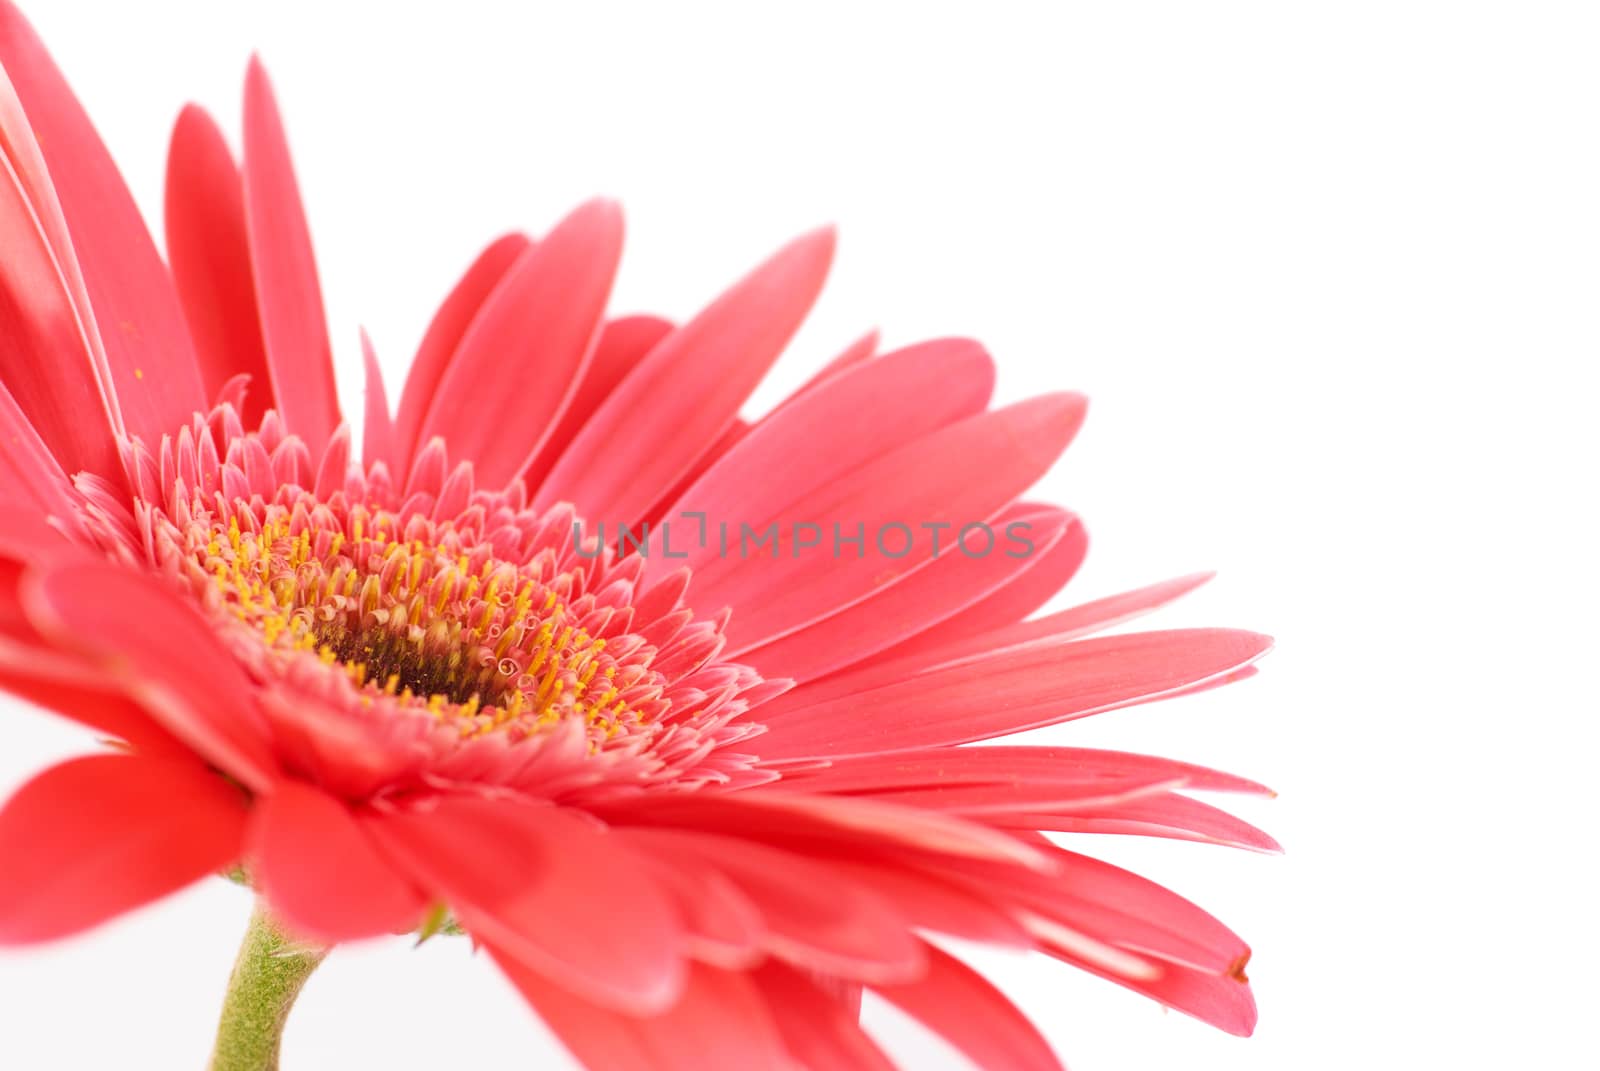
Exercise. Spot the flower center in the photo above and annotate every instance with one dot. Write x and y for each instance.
(424, 613)
(437, 623)
(483, 619)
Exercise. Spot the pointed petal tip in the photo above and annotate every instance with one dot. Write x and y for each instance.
(257, 82)
(815, 247)
(1245, 1026)
(598, 213)
(1242, 647)
(1070, 403)
(1049, 421)
(1246, 645)
(1260, 642)
(191, 112)
(803, 263)
(603, 203)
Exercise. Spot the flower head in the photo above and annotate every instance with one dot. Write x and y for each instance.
(566, 638)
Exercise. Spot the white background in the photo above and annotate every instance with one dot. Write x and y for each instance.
(1328, 272)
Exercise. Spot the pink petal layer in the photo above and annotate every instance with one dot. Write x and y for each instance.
(847, 993)
(724, 927)
(52, 368)
(943, 646)
(816, 1028)
(957, 476)
(995, 803)
(1112, 906)
(813, 917)
(959, 1004)
(947, 587)
(1046, 573)
(321, 873)
(1077, 621)
(622, 345)
(444, 334)
(797, 818)
(146, 341)
(1220, 1000)
(939, 906)
(933, 767)
(678, 400)
(1010, 691)
(94, 837)
(731, 437)
(377, 433)
(866, 411)
(66, 686)
(719, 1021)
(1166, 814)
(157, 648)
(350, 758)
(31, 479)
(736, 432)
(519, 362)
(531, 881)
(209, 247)
(288, 292)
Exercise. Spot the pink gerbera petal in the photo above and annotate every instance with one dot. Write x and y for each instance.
(1018, 689)
(890, 772)
(814, 916)
(1041, 576)
(142, 329)
(719, 1020)
(322, 873)
(1164, 814)
(817, 1029)
(44, 309)
(929, 596)
(538, 327)
(566, 872)
(160, 649)
(94, 837)
(288, 292)
(972, 1015)
(1222, 1000)
(960, 474)
(683, 394)
(30, 477)
(868, 410)
(208, 244)
(622, 345)
(378, 433)
(444, 334)
(56, 684)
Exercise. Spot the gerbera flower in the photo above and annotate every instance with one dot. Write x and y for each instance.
(668, 710)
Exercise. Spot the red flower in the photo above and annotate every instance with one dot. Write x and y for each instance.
(689, 798)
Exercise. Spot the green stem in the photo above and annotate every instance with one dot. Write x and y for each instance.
(267, 977)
